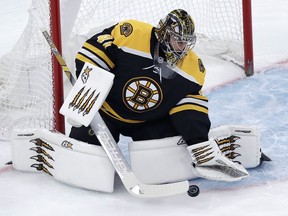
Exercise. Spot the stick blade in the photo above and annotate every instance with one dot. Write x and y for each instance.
(138, 189)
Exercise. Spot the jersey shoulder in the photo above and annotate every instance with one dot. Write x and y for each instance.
(192, 68)
(133, 34)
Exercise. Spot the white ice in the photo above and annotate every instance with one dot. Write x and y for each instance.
(261, 100)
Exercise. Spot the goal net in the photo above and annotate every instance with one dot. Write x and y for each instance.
(26, 73)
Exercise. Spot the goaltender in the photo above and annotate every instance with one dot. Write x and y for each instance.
(155, 99)
(157, 88)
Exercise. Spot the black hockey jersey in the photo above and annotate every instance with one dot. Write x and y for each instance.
(139, 94)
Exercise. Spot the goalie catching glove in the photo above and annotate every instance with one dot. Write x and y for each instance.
(210, 163)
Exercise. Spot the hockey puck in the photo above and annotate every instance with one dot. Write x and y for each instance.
(193, 191)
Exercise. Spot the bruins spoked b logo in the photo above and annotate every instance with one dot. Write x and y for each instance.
(142, 94)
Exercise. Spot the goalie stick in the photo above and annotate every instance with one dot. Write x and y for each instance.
(126, 174)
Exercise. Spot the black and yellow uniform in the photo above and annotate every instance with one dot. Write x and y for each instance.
(141, 103)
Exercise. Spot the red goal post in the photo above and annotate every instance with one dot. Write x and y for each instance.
(248, 38)
(31, 80)
(58, 89)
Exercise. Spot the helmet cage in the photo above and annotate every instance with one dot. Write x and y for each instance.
(177, 45)
(176, 35)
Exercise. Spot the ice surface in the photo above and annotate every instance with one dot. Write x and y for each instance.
(261, 100)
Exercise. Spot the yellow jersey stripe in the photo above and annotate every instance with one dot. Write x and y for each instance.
(109, 111)
(84, 59)
(201, 97)
(99, 53)
(188, 107)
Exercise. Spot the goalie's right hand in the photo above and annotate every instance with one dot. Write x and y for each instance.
(87, 95)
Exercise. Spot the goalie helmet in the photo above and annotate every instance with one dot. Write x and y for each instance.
(176, 35)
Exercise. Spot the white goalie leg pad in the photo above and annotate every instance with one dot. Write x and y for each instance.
(66, 159)
(210, 163)
(167, 160)
(241, 144)
(87, 95)
(161, 160)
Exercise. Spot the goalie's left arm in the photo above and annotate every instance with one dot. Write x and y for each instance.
(96, 50)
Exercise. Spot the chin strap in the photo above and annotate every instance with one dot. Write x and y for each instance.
(157, 61)
(161, 66)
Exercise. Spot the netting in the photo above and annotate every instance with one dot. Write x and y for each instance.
(26, 79)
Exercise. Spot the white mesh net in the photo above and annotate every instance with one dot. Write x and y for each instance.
(26, 79)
